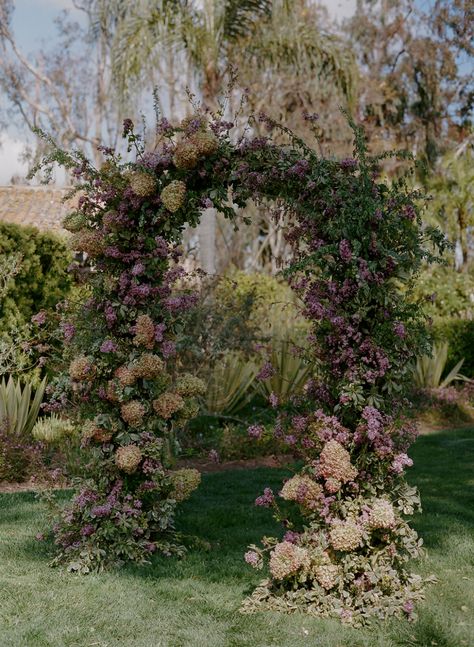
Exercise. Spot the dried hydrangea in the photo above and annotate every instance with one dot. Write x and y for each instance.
(74, 222)
(328, 575)
(168, 404)
(82, 369)
(125, 375)
(173, 195)
(188, 386)
(335, 462)
(112, 391)
(184, 482)
(133, 412)
(345, 535)
(128, 458)
(302, 489)
(142, 184)
(144, 332)
(332, 485)
(89, 241)
(186, 155)
(190, 410)
(148, 366)
(205, 142)
(287, 559)
(381, 514)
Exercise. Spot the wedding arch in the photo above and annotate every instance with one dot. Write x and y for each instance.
(357, 244)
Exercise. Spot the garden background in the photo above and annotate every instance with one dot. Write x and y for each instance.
(403, 70)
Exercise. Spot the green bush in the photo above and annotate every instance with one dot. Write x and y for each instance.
(452, 292)
(42, 279)
(459, 333)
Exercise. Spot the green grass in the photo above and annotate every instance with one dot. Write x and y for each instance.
(195, 602)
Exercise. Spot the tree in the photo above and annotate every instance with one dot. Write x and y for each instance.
(453, 202)
(66, 91)
(417, 87)
(265, 39)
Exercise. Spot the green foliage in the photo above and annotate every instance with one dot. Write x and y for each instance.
(429, 369)
(20, 405)
(229, 385)
(52, 429)
(41, 279)
(459, 334)
(446, 293)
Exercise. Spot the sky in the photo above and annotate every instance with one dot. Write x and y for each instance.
(33, 25)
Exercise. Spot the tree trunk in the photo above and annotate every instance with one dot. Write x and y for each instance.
(207, 240)
(462, 222)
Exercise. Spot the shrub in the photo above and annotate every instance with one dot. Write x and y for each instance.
(42, 278)
(459, 334)
(447, 293)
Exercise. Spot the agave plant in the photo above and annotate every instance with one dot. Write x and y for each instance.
(230, 385)
(291, 371)
(19, 406)
(429, 369)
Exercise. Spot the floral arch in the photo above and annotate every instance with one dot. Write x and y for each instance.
(357, 244)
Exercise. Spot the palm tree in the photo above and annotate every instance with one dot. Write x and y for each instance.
(265, 37)
(453, 189)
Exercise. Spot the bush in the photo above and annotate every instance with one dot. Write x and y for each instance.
(447, 293)
(459, 333)
(42, 279)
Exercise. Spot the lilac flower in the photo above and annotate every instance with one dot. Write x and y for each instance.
(168, 349)
(68, 330)
(345, 251)
(101, 510)
(138, 269)
(266, 499)
(399, 330)
(273, 400)
(255, 431)
(108, 346)
(159, 331)
(266, 372)
(87, 530)
(40, 318)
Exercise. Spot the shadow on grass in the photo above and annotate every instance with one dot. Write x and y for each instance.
(222, 512)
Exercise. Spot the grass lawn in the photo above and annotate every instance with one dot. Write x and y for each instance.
(195, 602)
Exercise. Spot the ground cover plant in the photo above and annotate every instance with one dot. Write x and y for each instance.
(356, 240)
(195, 602)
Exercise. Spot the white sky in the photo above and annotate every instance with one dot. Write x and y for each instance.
(33, 24)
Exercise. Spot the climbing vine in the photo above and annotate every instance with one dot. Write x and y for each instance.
(358, 244)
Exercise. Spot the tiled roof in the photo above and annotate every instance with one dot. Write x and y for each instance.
(40, 206)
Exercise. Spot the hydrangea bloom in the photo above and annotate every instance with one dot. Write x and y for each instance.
(345, 535)
(128, 458)
(335, 462)
(287, 559)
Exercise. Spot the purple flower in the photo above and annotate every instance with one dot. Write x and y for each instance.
(399, 330)
(138, 269)
(68, 330)
(348, 163)
(40, 318)
(273, 400)
(108, 346)
(87, 530)
(101, 510)
(255, 431)
(266, 499)
(266, 372)
(168, 349)
(345, 251)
